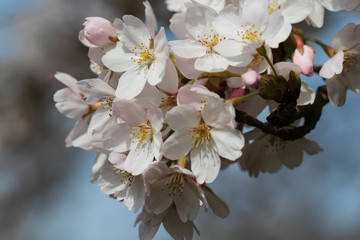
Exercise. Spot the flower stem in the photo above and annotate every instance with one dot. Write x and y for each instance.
(236, 101)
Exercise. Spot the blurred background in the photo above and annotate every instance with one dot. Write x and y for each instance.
(45, 192)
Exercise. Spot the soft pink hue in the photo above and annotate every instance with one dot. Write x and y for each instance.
(97, 32)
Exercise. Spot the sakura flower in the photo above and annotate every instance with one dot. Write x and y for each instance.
(172, 185)
(73, 104)
(118, 183)
(206, 135)
(203, 44)
(342, 71)
(138, 132)
(140, 54)
(267, 153)
(97, 32)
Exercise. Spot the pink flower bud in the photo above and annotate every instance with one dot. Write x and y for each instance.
(239, 92)
(304, 57)
(97, 32)
(297, 40)
(251, 79)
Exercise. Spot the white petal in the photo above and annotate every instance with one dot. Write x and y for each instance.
(255, 12)
(218, 114)
(156, 71)
(188, 48)
(131, 83)
(96, 88)
(139, 158)
(79, 129)
(177, 25)
(198, 19)
(118, 58)
(205, 163)
(336, 91)
(211, 62)
(68, 81)
(188, 204)
(117, 138)
(72, 106)
(307, 95)
(216, 204)
(134, 32)
(332, 66)
(182, 117)
(295, 11)
(178, 145)
(129, 112)
(170, 82)
(229, 142)
(150, 19)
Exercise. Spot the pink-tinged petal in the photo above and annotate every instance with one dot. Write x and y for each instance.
(188, 48)
(117, 138)
(282, 34)
(198, 20)
(305, 60)
(186, 67)
(336, 91)
(155, 116)
(307, 95)
(205, 163)
(178, 145)
(156, 171)
(187, 205)
(79, 129)
(134, 32)
(347, 37)
(182, 117)
(118, 58)
(139, 158)
(291, 156)
(135, 194)
(69, 104)
(117, 159)
(90, 142)
(333, 66)
(218, 206)
(161, 46)
(131, 83)
(129, 112)
(170, 82)
(229, 142)
(255, 12)
(194, 95)
(150, 19)
(95, 55)
(211, 62)
(68, 81)
(295, 11)
(218, 114)
(177, 25)
(229, 48)
(84, 40)
(156, 71)
(96, 88)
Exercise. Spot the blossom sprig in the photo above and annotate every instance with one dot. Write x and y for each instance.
(165, 116)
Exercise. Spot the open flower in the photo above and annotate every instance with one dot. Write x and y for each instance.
(206, 135)
(342, 71)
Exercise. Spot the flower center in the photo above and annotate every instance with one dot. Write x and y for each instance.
(248, 33)
(273, 6)
(175, 184)
(275, 144)
(125, 176)
(257, 58)
(201, 135)
(143, 55)
(210, 40)
(169, 101)
(107, 102)
(95, 68)
(350, 61)
(141, 133)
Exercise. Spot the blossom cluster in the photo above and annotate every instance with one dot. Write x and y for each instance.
(162, 114)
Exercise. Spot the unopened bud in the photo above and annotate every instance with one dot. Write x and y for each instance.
(273, 88)
(304, 57)
(251, 79)
(97, 32)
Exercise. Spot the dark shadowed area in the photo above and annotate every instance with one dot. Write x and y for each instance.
(45, 192)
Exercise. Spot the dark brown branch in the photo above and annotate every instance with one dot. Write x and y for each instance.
(311, 114)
